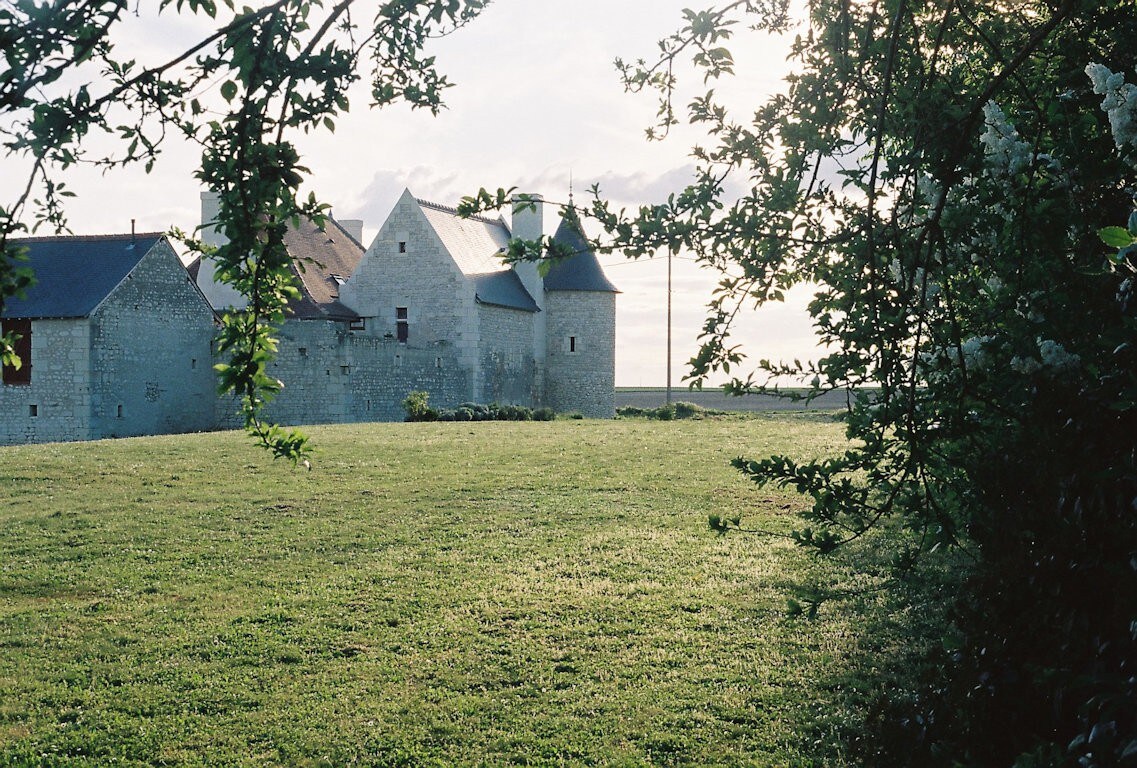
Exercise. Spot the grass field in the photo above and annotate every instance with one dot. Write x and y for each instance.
(431, 594)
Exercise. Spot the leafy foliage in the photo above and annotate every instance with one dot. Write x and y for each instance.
(669, 412)
(945, 174)
(241, 92)
(418, 409)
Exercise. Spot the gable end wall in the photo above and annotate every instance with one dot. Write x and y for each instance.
(151, 353)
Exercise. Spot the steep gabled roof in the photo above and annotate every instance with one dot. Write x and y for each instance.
(581, 271)
(476, 244)
(321, 260)
(75, 274)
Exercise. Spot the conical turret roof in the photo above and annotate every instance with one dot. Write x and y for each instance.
(581, 271)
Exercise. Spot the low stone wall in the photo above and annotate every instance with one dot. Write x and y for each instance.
(715, 399)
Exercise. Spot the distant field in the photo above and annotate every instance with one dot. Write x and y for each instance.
(714, 399)
(431, 594)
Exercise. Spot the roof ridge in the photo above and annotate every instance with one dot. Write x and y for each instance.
(448, 209)
(83, 238)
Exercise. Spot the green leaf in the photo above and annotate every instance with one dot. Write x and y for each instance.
(1116, 237)
(228, 90)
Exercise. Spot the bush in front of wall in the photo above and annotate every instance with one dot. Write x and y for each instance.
(493, 412)
(417, 406)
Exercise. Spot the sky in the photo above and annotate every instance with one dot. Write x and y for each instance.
(536, 100)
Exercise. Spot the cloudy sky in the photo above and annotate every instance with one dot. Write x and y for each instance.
(536, 98)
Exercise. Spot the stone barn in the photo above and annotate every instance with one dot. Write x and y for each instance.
(116, 340)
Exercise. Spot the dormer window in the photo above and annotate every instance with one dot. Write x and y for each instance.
(340, 279)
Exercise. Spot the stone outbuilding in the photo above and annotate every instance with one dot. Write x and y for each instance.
(115, 341)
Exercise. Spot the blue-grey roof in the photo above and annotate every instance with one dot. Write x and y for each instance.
(477, 244)
(74, 274)
(503, 289)
(581, 271)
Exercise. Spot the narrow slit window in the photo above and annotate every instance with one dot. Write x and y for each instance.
(572, 344)
(402, 246)
(120, 412)
(33, 411)
(402, 325)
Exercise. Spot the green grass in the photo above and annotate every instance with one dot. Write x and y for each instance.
(476, 594)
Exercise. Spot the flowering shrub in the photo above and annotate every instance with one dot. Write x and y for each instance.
(945, 175)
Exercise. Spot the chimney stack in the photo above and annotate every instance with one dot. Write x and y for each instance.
(528, 224)
(353, 227)
(528, 217)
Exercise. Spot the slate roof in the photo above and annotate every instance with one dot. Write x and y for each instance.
(319, 257)
(75, 274)
(476, 244)
(581, 271)
(503, 289)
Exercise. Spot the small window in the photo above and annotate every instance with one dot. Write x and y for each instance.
(339, 279)
(402, 246)
(345, 369)
(398, 361)
(120, 412)
(23, 349)
(438, 362)
(402, 325)
(193, 363)
(302, 351)
(358, 324)
(33, 411)
(571, 346)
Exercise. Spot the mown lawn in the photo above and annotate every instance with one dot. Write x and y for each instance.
(474, 594)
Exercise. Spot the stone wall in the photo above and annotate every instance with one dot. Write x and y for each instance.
(151, 359)
(507, 370)
(56, 405)
(334, 375)
(580, 363)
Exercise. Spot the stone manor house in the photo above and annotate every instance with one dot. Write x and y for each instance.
(118, 333)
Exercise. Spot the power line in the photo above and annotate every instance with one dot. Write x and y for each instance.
(641, 261)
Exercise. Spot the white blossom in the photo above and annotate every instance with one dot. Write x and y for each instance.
(1119, 104)
(929, 189)
(1025, 365)
(975, 352)
(1054, 355)
(895, 271)
(1006, 152)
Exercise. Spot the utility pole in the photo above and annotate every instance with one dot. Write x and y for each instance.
(670, 251)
